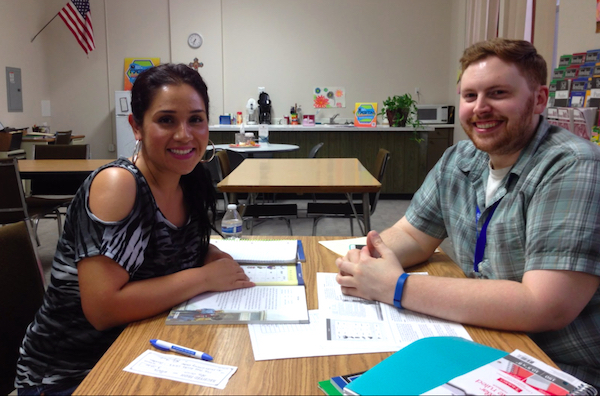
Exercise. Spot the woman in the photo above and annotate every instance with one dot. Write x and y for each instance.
(136, 237)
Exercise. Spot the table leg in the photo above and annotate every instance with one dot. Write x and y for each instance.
(366, 212)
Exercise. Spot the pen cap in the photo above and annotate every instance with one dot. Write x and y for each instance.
(156, 345)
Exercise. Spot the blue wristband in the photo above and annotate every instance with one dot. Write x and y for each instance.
(400, 290)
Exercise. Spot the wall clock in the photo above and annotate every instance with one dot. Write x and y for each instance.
(195, 40)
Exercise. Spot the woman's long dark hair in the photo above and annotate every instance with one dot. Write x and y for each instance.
(197, 185)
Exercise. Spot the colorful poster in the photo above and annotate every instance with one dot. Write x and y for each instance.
(325, 97)
(133, 67)
(597, 16)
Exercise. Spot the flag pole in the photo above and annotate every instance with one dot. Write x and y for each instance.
(44, 27)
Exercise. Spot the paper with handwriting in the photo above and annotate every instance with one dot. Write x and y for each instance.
(182, 369)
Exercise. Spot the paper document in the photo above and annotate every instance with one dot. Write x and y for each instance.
(352, 318)
(341, 246)
(182, 369)
(283, 341)
(253, 251)
(347, 325)
(274, 274)
(272, 304)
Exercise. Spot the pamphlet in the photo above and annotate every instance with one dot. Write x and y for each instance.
(517, 373)
(258, 304)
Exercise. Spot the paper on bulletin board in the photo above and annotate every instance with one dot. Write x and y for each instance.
(597, 16)
(133, 67)
(326, 97)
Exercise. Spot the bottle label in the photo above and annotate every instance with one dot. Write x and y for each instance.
(236, 229)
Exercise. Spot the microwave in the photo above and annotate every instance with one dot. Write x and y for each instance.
(435, 114)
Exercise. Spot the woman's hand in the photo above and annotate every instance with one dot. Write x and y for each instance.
(225, 274)
(370, 273)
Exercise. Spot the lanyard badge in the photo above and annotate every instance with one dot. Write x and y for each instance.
(481, 241)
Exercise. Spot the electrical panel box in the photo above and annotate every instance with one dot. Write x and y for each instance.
(14, 92)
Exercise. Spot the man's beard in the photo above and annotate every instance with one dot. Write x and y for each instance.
(515, 137)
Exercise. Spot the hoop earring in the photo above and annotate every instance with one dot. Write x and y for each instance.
(214, 150)
(136, 151)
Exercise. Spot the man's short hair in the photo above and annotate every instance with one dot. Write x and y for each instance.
(519, 52)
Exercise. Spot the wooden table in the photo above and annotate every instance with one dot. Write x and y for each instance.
(230, 345)
(303, 175)
(43, 168)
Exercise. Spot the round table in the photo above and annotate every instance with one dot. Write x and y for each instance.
(261, 148)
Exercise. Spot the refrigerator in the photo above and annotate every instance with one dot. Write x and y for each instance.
(125, 138)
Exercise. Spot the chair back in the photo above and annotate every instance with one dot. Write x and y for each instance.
(21, 294)
(63, 137)
(224, 164)
(383, 156)
(61, 151)
(313, 151)
(235, 159)
(59, 185)
(12, 199)
(224, 171)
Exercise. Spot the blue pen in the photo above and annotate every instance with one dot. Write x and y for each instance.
(167, 346)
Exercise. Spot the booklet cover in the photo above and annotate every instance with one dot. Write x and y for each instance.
(258, 304)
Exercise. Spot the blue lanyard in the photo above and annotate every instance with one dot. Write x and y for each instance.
(481, 238)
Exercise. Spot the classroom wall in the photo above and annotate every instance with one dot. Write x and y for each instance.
(374, 49)
(577, 27)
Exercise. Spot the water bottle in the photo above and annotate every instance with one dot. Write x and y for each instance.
(231, 225)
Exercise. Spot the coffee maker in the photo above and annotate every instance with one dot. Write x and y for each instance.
(264, 108)
(251, 108)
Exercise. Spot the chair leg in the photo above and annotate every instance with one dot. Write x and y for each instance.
(289, 224)
(351, 227)
(58, 222)
(315, 221)
(34, 223)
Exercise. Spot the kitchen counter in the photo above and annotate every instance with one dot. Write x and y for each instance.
(318, 127)
(409, 163)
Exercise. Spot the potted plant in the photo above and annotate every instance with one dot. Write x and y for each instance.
(401, 111)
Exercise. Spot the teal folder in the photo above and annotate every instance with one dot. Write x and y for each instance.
(422, 366)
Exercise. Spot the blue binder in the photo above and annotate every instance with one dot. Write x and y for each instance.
(422, 366)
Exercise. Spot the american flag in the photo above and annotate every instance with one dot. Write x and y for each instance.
(78, 18)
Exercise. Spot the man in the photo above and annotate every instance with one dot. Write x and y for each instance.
(520, 201)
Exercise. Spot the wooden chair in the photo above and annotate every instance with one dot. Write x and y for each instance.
(61, 151)
(21, 295)
(60, 185)
(63, 137)
(13, 204)
(321, 210)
